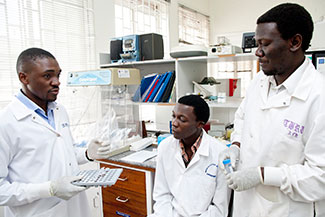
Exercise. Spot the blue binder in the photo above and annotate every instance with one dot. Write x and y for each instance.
(163, 87)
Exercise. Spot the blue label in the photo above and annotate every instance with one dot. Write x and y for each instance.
(321, 61)
(94, 77)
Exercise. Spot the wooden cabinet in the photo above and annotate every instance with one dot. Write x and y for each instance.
(132, 193)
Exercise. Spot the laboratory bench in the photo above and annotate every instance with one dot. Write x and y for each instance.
(132, 193)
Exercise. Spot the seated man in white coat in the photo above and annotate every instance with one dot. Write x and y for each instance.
(188, 182)
(37, 158)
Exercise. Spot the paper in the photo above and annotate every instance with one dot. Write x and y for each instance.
(140, 156)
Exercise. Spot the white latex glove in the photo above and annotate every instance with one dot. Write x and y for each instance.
(98, 149)
(62, 187)
(244, 179)
(231, 153)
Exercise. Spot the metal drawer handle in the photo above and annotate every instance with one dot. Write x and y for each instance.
(123, 179)
(120, 200)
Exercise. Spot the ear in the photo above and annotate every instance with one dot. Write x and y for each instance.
(200, 124)
(23, 77)
(295, 42)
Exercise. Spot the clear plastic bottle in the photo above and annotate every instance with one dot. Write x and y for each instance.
(228, 166)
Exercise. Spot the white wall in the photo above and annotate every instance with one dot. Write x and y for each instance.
(233, 17)
(104, 18)
(228, 17)
(104, 15)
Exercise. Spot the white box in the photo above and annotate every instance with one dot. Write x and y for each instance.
(224, 50)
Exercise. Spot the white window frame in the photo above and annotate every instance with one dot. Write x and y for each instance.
(141, 17)
(194, 27)
(63, 27)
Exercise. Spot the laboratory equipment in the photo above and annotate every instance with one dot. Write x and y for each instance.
(101, 177)
(152, 46)
(188, 51)
(216, 50)
(131, 48)
(228, 166)
(115, 49)
(248, 42)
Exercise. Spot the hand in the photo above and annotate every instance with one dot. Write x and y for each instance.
(231, 153)
(62, 188)
(98, 149)
(244, 179)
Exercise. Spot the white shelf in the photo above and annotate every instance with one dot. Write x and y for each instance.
(135, 63)
(220, 58)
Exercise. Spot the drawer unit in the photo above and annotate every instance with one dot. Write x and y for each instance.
(130, 180)
(131, 195)
(124, 201)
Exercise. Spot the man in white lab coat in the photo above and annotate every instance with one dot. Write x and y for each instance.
(188, 182)
(37, 158)
(279, 136)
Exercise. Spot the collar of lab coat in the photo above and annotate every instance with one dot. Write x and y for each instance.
(20, 111)
(295, 86)
(305, 84)
(202, 150)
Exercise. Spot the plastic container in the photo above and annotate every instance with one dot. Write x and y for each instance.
(228, 166)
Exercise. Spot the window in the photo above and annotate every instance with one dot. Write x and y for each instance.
(193, 27)
(65, 28)
(142, 16)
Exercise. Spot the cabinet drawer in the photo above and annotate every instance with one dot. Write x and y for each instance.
(113, 211)
(130, 180)
(124, 201)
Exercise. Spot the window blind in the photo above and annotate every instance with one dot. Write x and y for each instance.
(63, 27)
(194, 27)
(142, 16)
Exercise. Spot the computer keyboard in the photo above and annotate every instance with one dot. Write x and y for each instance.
(102, 177)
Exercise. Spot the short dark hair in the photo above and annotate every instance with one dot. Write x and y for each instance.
(201, 108)
(31, 54)
(290, 19)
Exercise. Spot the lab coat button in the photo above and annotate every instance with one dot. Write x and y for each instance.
(69, 164)
(284, 103)
(34, 117)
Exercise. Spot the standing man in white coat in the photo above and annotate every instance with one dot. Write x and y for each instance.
(279, 136)
(188, 182)
(37, 158)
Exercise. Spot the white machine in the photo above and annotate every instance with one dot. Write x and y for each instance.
(188, 51)
(224, 50)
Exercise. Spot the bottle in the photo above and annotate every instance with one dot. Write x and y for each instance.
(228, 166)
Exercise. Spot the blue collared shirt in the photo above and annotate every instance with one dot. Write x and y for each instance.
(49, 117)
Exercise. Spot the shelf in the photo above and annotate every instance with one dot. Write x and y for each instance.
(135, 63)
(220, 58)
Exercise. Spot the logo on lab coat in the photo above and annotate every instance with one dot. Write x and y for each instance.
(294, 129)
(212, 170)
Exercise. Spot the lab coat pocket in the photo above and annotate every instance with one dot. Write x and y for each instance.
(60, 209)
(270, 208)
(287, 150)
(269, 193)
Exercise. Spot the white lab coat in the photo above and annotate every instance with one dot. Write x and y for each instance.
(191, 191)
(285, 132)
(32, 153)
